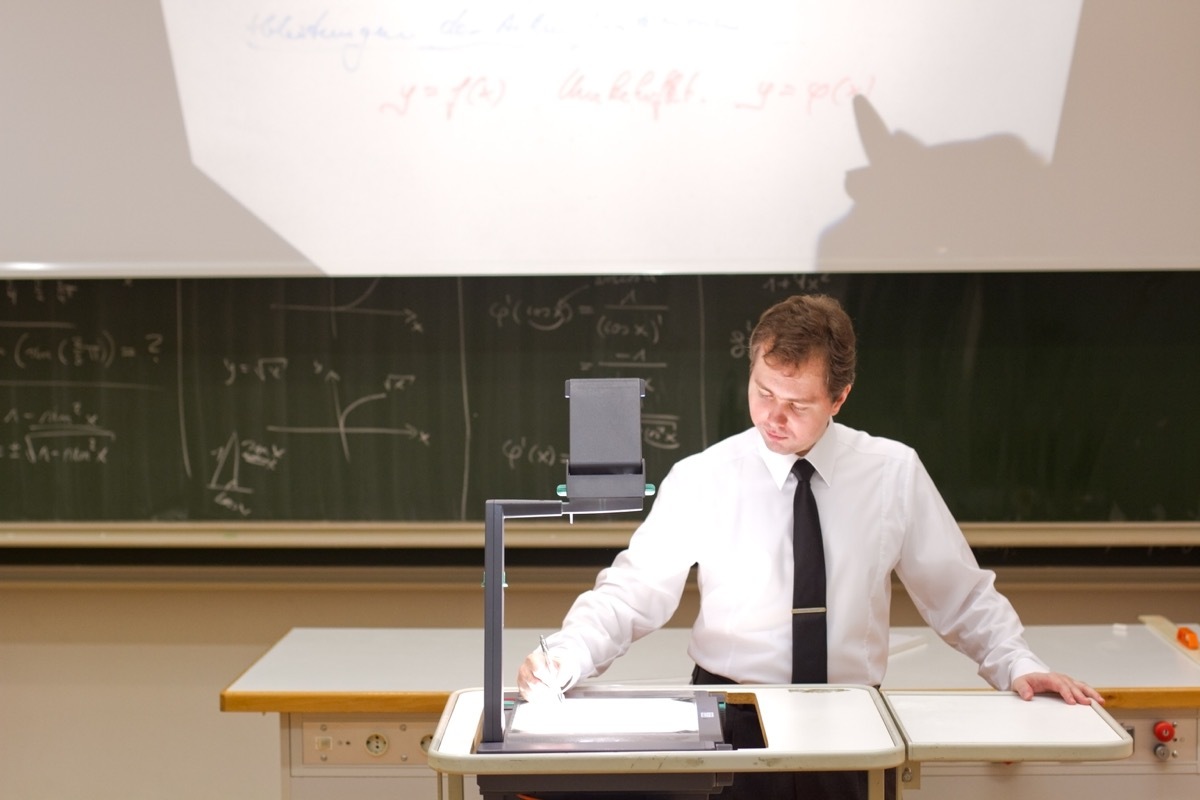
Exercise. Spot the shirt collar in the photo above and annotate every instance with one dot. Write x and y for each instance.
(821, 456)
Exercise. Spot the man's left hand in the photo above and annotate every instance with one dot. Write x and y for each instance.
(1071, 690)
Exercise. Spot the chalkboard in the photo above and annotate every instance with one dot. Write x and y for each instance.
(1030, 396)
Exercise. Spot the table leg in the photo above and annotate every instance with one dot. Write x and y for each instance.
(875, 780)
(456, 786)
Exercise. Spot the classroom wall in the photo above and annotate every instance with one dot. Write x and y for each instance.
(110, 679)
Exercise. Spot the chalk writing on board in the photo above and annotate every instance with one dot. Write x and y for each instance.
(632, 358)
(53, 436)
(236, 451)
(661, 431)
(620, 326)
(40, 292)
(542, 317)
(297, 416)
(739, 341)
(342, 409)
(225, 483)
(46, 344)
(264, 369)
(649, 328)
(360, 305)
(46, 355)
(520, 451)
(797, 284)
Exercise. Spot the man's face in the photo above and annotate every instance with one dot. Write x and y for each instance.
(791, 406)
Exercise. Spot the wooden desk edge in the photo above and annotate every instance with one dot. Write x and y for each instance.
(1133, 698)
(1130, 698)
(336, 702)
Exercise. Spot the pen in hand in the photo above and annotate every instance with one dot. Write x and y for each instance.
(550, 670)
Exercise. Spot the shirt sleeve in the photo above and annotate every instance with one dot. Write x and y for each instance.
(954, 595)
(640, 592)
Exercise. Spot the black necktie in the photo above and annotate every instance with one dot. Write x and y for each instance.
(809, 648)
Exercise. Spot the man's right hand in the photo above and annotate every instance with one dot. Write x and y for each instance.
(538, 680)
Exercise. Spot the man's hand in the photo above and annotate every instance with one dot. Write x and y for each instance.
(538, 679)
(1071, 690)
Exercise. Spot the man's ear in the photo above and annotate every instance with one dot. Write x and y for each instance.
(841, 398)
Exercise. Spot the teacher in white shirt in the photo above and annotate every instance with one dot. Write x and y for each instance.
(728, 511)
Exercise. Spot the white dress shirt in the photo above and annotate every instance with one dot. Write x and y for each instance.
(729, 511)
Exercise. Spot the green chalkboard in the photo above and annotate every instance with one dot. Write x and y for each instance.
(1040, 397)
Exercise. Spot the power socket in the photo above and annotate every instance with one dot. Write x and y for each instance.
(344, 742)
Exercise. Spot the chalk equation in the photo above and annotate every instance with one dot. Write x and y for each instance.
(540, 316)
(659, 432)
(272, 368)
(239, 456)
(54, 436)
(50, 344)
(611, 318)
(42, 293)
(342, 410)
(520, 451)
(626, 329)
(225, 484)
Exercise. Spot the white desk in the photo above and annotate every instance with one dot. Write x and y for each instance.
(357, 682)
(1145, 676)
(826, 728)
(806, 728)
(1135, 666)
(1000, 727)
(345, 685)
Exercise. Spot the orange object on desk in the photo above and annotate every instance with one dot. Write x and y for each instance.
(1187, 637)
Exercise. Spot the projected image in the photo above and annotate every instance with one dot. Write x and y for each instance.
(475, 138)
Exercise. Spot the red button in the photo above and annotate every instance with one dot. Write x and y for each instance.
(1187, 637)
(1164, 731)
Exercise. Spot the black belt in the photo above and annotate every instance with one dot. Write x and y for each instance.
(702, 677)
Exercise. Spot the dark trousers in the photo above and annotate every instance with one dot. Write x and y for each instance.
(743, 730)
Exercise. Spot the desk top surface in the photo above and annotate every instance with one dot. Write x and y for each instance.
(1133, 666)
(806, 728)
(416, 669)
(828, 727)
(999, 726)
(412, 669)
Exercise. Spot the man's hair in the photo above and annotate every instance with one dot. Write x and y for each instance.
(805, 326)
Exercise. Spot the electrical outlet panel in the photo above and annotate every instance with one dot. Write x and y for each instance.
(1164, 737)
(366, 742)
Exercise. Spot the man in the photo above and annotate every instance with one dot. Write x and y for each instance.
(729, 510)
